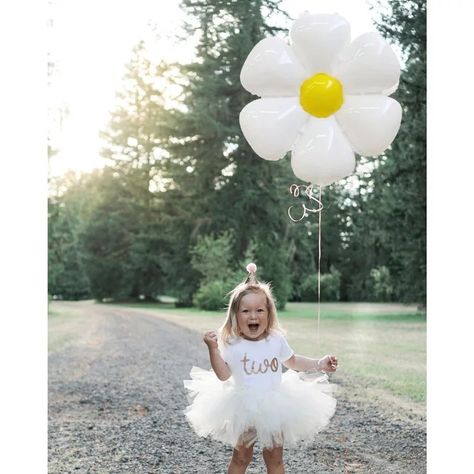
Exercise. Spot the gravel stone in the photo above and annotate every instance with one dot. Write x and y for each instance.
(116, 401)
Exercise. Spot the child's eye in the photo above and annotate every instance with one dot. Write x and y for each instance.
(245, 311)
(260, 310)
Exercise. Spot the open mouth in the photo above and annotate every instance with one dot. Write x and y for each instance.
(253, 327)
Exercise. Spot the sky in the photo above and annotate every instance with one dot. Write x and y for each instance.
(89, 43)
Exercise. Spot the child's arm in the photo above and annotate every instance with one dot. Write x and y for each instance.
(218, 364)
(300, 363)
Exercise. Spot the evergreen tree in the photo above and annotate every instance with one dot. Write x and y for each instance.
(67, 211)
(130, 214)
(180, 171)
(221, 184)
(386, 215)
(398, 202)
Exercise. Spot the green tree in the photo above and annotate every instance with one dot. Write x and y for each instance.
(211, 257)
(222, 185)
(382, 282)
(126, 238)
(385, 217)
(68, 208)
(399, 224)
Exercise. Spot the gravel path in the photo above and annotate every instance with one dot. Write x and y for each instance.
(116, 398)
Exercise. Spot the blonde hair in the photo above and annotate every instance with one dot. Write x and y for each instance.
(230, 328)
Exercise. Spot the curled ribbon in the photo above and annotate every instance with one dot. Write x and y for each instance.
(308, 190)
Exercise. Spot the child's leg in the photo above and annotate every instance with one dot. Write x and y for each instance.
(242, 455)
(274, 460)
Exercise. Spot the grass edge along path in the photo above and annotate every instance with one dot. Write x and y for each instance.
(382, 354)
(381, 348)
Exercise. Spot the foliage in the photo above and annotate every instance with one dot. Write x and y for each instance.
(222, 185)
(212, 295)
(274, 269)
(385, 212)
(184, 203)
(67, 212)
(329, 287)
(211, 256)
(127, 250)
(399, 225)
(382, 283)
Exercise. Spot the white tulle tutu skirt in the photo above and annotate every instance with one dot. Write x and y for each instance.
(299, 408)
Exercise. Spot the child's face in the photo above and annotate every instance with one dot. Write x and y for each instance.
(252, 315)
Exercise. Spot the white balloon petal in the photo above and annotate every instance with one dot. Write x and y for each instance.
(391, 90)
(272, 70)
(321, 154)
(316, 40)
(370, 122)
(323, 149)
(367, 66)
(271, 125)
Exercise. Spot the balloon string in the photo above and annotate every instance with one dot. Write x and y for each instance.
(319, 270)
(308, 190)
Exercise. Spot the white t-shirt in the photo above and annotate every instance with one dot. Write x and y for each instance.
(257, 364)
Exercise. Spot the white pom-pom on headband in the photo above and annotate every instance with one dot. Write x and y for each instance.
(251, 267)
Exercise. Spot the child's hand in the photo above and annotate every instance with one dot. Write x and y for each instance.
(210, 338)
(328, 363)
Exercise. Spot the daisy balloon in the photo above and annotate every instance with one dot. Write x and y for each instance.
(323, 97)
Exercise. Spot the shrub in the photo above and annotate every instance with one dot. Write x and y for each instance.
(272, 262)
(330, 287)
(382, 283)
(211, 256)
(212, 295)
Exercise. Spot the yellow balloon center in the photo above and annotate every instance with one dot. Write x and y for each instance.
(321, 95)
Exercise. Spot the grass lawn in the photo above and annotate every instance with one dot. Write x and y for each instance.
(381, 347)
(66, 325)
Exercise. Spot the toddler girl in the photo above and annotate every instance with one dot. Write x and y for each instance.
(246, 398)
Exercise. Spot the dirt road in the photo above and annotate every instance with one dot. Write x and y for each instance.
(116, 398)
